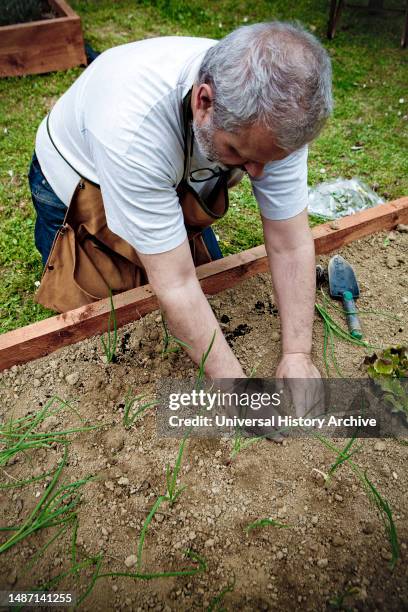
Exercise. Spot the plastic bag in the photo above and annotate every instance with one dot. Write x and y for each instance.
(341, 197)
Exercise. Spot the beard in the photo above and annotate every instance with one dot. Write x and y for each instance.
(204, 136)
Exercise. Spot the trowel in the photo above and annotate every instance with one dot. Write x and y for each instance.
(343, 286)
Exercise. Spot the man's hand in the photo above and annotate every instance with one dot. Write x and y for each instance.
(304, 382)
(297, 365)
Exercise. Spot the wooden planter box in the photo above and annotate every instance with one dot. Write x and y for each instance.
(42, 46)
(42, 338)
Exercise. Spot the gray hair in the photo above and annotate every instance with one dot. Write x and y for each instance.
(273, 74)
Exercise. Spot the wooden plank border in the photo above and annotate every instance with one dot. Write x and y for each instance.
(42, 338)
(42, 46)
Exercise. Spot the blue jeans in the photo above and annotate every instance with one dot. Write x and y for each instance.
(51, 213)
(49, 208)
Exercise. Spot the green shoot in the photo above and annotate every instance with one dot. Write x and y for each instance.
(76, 566)
(337, 330)
(16, 484)
(343, 456)
(264, 523)
(241, 442)
(73, 571)
(169, 338)
(374, 496)
(55, 508)
(42, 550)
(171, 496)
(216, 602)
(173, 491)
(171, 476)
(203, 360)
(338, 601)
(130, 416)
(95, 561)
(386, 516)
(161, 499)
(22, 435)
(380, 313)
(253, 370)
(331, 330)
(201, 567)
(110, 345)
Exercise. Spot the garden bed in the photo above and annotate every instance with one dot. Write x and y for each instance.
(334, 549)
(53, 43)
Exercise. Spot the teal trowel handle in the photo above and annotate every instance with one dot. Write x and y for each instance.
(350, 308)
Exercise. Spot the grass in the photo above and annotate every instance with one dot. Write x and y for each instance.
(369, 80)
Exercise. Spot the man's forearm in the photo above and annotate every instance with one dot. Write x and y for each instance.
(294, 280)
(187, 312)
(190, 318)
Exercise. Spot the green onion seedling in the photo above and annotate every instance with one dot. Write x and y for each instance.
(130, 415)
(217, 601)
(265, 522)
(23, 435)
(55, 508)
(169, 338)
(110, 345)
(374, 496)
(241, 442)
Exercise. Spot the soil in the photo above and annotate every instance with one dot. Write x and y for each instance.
(42, 10)
(335, 553)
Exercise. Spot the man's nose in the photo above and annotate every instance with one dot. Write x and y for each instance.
(254, 169)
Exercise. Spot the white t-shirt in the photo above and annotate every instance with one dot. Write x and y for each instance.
(120, 125)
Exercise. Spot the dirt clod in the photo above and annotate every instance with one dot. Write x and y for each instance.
(73, 378)
(380, 446)
(131, 560)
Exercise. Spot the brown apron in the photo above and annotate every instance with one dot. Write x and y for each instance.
(87, 260)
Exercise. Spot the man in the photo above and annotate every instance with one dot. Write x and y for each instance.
(254, 100)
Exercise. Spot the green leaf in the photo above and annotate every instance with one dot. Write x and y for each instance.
(383, 366)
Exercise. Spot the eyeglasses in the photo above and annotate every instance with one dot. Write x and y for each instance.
(205, 174)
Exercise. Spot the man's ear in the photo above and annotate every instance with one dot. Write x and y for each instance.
(204, 97)
(202, 102)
